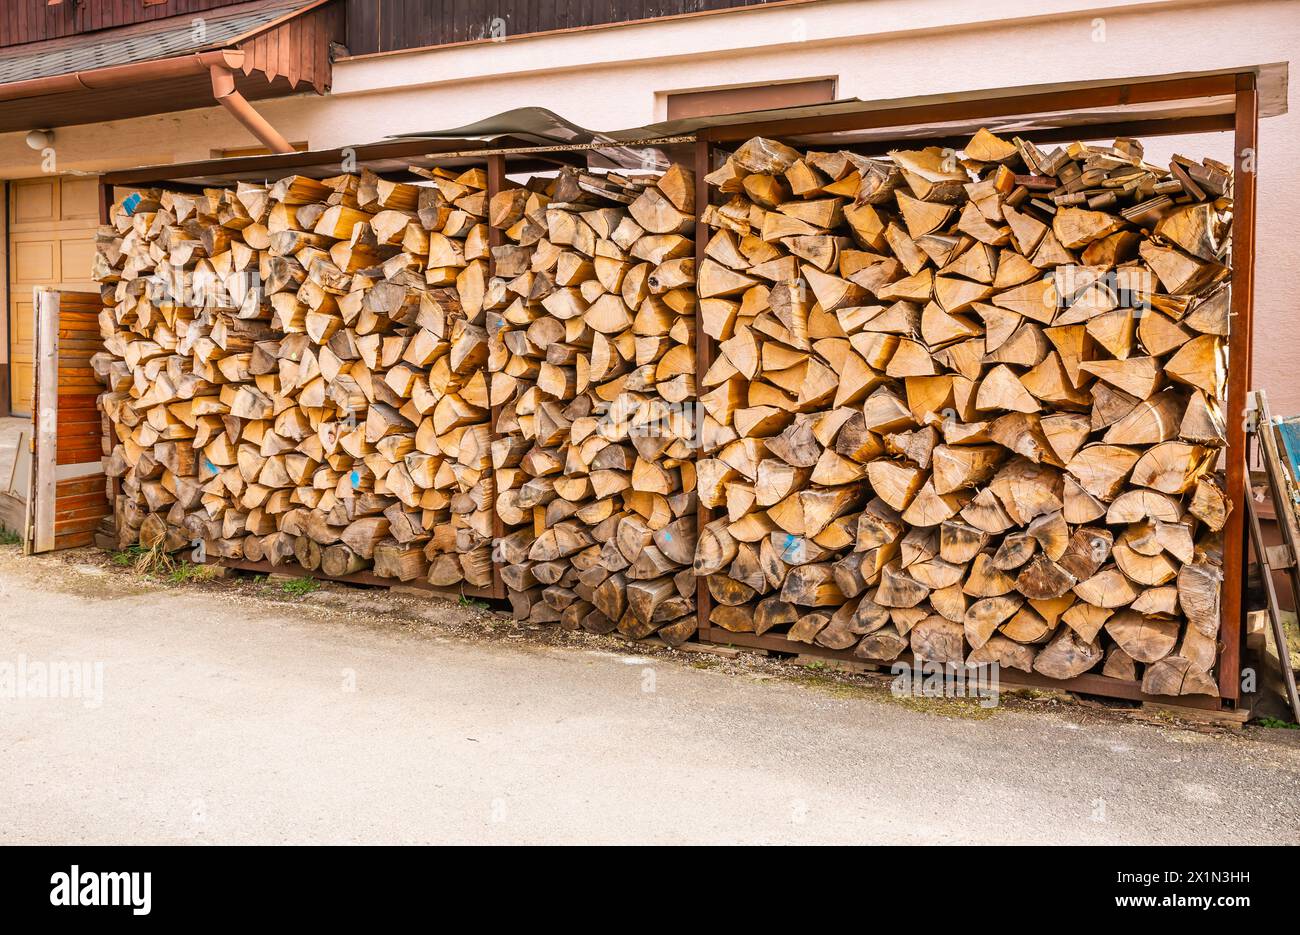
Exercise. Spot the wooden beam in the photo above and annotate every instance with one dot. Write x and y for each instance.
(1245, 156)
(1116, 95)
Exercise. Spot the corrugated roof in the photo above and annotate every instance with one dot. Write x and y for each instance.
(166, 38)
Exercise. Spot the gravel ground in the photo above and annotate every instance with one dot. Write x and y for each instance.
(240, 711)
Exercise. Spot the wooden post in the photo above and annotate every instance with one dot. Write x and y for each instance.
(45, 422)
(105, 201)
(1245, 155)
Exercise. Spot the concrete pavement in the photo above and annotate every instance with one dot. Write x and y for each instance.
(232, 714)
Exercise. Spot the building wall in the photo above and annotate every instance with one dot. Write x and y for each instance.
(615, 77)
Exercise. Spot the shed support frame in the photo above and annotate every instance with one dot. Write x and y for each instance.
(1242, 119)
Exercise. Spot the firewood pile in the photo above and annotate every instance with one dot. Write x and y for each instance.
(969, 404)
(298, 372)
(593, 367)
(964, 404)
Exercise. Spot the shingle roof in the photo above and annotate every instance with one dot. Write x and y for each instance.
(165, 38)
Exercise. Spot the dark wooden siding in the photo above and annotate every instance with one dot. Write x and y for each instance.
(299, 49)
(388, 25)
(33, 20)
(372, 25)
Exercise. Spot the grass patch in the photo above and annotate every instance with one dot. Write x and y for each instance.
(473, 604)
(159, 564)
(9, 537)
(297, 587)
(186, 572)
(128, 557)
(1277, 722)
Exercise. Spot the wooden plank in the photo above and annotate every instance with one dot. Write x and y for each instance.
(361, 577)
(1007, 678)
(46, 416)
(1012, 105)
(80, 485)
(68, 428)
(1239, 381)
(1227, 718)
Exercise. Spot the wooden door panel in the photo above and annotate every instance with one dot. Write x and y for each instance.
(52, 223)
(67, 496)
(79, 199)
(75, 259)
(34, 201)
(34, 262)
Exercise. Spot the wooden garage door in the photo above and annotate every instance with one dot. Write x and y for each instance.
(52, 223)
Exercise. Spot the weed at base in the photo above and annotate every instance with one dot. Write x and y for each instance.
(152, 562)
(1276, 722)
(187, 572)
(127, 557)
(297, 587)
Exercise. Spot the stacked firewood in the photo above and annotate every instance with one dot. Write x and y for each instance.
(594, 370)
(297, 372)
(969, 403)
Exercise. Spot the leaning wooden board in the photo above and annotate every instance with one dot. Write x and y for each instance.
(65, 496)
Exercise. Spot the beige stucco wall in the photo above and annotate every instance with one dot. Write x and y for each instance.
(617, 77)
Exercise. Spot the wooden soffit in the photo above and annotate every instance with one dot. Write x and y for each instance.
(153, 68)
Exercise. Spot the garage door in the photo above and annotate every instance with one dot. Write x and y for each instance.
(52, 223)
